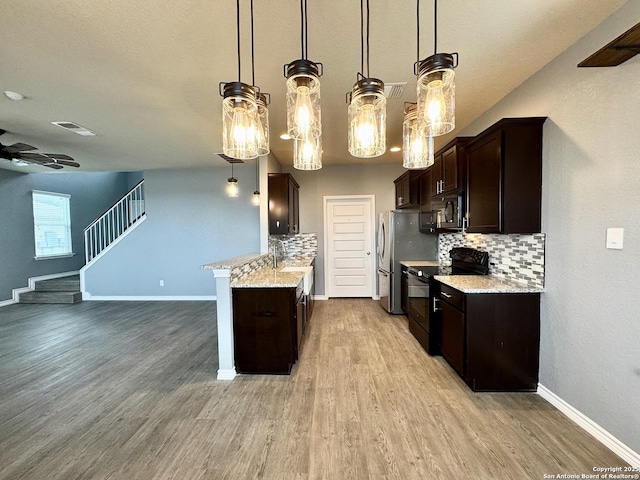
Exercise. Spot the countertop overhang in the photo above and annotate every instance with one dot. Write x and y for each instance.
(269, 277)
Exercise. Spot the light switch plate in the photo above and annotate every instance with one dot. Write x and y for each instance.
(615, 238)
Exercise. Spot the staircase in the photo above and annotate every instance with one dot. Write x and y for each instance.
(54, 290)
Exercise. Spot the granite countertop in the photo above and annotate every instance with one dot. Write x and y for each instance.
(268, 277)
(229, 263)
(420, 263)
(485, 284)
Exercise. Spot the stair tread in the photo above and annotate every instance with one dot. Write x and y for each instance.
(51, 297)
(60, 284)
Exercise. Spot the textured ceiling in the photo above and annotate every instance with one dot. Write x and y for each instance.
(145, 73)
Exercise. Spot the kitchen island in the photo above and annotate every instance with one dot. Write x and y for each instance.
(248, 271)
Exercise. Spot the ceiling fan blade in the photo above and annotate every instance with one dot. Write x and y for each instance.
(55, 166)
(33, 157)
(19, 147)
(58, 156)
(67, 163)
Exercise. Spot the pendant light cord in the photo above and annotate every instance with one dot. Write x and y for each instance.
(435, 27)
(303, 28)
(253, 64)
(417, 31)
(364, 40)
(238, 31)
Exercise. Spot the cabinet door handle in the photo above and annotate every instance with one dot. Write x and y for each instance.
(277, 223)
(446, 294)
(264, 314)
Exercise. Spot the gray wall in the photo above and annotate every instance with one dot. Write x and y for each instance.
(591, 309)
(91, 194)
(373, 179)
(190, 222)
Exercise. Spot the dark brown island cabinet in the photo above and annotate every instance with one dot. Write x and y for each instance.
(504, 177)
(492, 340)
(268, 326)
(284, 211)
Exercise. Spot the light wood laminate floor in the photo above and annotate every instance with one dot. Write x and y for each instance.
(127, 390)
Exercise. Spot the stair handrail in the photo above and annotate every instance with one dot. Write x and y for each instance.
(112, 206)
(113, 223)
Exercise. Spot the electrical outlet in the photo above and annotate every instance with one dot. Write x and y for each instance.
(162, 283)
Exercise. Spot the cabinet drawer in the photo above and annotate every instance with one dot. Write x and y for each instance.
(452, 296)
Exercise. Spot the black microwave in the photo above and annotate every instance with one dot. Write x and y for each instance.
(447, 212)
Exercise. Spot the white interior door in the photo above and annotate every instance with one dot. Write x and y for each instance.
(349, 234)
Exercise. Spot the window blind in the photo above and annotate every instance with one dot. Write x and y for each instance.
(51, 224)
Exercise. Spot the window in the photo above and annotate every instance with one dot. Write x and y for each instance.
(51, 224)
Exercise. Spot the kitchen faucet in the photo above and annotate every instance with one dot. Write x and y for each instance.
(275, 251)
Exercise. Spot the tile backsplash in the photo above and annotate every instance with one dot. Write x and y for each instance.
(297, 245)
(512, 257)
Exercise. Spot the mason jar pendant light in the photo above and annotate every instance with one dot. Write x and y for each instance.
(232, 184)
(303, 89)
(435, 86)
(239, 113)
(417, 147)
(367, 106)
(307, 153)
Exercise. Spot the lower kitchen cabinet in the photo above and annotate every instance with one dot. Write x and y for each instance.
(492, 339)
(267, 329)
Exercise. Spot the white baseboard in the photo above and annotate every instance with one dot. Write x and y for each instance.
(146, 298)
(227, 374)
(591, 427)
(320, 297)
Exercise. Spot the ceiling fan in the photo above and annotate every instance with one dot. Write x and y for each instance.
(21, 152)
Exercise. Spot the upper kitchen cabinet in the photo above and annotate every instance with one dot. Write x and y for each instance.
(284, 212)
(408, 189)
(450, 167)
(427, 222)
(504, 177)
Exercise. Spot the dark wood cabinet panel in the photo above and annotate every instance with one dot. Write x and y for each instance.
(407, 188)
(427, 223)
(449, 168)
(266, 329)
(504, 177)
(284, 210)
(452, 336)
(492, 340)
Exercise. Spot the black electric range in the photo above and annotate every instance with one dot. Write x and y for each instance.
(422, 293)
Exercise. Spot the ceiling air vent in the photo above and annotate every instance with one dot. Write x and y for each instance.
(394, 90)
(75, 128)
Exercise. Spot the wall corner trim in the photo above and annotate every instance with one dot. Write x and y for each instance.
(591, 427)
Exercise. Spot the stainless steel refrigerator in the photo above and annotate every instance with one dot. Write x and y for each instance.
(399, 239)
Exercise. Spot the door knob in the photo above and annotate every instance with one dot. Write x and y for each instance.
(368, 253)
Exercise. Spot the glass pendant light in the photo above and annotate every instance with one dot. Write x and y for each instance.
(367, 107)
(239, 113)
(255, 199)
(303, 90)
(436, 86)
(417, 147)
(232, 185)
(307, 153)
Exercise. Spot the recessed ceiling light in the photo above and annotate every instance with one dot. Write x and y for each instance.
(285, 136)
(395, 149)
(13, 95)
(75, 128)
